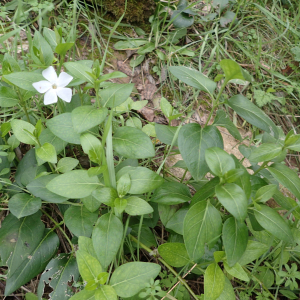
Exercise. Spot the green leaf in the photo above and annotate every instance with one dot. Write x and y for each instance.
(129, 44)
(120, 205)
(89, 266)
(24, 80)
(253, 251)
(84, 295)
(132, 143)
(171, 193)
(80, 221)
(181, 19)
(231, 69)
(202, 224)
(233, 198)
(269, 219)
(62, 127)
(106, 292)
(228, 291)
(105, 195)
(166, 134)
(265, 193)
(174, 254)
(136, 60)
(130, 278)
(233, 175)
(62, 48)
(223, 120)
(112, 75)
(22, 205)
(292, 142)
(45, 51)
(22, 130)
(236, 271)
(66, 164)
(74, 184)
(176, 221)
(166, 107)
(8, 97)
(194, 78)
(123, 185)
(91, 146)
(60, 271)
(107, 237)
(47, 153)
(91, 203)
(235, 239)
(80, 71)
(87, 117)
(147, 48)
(38, 188)
(34, 263)
(219, 161)
(265, 152)
(192, 142)
(48, 137)
(18, 238)
(143, 180)
(287, 177)
(214, 282)
(115, 94)
(252, 114)
(137, 206)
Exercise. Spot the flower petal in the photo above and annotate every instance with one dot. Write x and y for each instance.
(50, 74)
(42, 86)
(63, 79)
(64, 93)
(50, 97)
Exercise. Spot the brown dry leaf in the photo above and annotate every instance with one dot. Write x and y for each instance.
(149, 91)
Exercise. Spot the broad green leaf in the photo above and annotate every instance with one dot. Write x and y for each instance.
(270, 220)
(123, 185)
(166, 107)
(26, 163)
(182, 19)
(84, 295)
(236, 271)
(130, 278)
(232, 70)
(146, 235)
(46, 54)
(62, 127)
(79, 71)
(137, 206)
(235, 239)
(47, 153)
(66, 164)
(120, 205)
(214, 282)
(129, 44)
(287, 177)
(106, 292)
(107, 237)
(176, 221)
(219, 161)
(105, 195)
(166, 133)
(265, 193)
(202, 225)
(252, 114)
(166, 212)
(80, 221)
(38, 188)
(233, 198)
(60, 271)
(91, 146)
(24, 80)
(22, 205)
(194, 78)
(228, 291)
(171, 193)
(22, 130)
(62, 48)
(265, 275)
(48, 137)
(87, 117)
(292, 142)
(223, 120)
(18, 238)
(34, 263)
(174, 254)
(115, 94)
(132, 143)
(91, 203)
(89, 266)
(136, 60)
(115, 74)
(149, 47)
(265, 152)
(192, 142)
(253, 251)
(143, 180)
(233, 175)
(74, 184)
(8, 97)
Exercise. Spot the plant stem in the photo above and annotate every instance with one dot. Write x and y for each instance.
(261, 167)
(165, 264)
(62, 231)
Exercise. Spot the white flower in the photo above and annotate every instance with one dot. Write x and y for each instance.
(54, 86)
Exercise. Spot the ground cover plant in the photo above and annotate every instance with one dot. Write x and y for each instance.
(89, 209)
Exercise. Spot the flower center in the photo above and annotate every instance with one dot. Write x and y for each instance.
(54, 86)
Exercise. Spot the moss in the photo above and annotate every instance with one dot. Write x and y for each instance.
(138, 11)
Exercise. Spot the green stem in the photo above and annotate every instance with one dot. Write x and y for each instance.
(261, 167)
(62, 231)
(167, 265)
